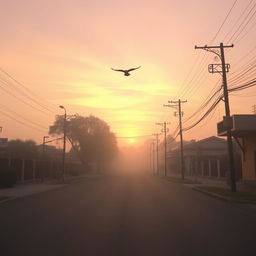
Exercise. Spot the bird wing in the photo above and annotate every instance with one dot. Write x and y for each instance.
(131, 69)
(118, 70)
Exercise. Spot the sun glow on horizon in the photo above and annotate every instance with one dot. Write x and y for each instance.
(131, 140)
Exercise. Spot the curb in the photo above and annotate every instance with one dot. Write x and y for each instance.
(59, 185)
(188, 182)
(8, 199)
(27, 195)
(225, 198)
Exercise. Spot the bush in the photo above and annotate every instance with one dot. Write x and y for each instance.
(7, 178)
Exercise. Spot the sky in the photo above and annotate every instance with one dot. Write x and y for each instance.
(61, 53)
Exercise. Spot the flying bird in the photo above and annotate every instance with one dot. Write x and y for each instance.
(125, 71)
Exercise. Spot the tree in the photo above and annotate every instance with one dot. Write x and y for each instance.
(90, 137)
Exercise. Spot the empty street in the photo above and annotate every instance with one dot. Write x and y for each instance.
(125, 215)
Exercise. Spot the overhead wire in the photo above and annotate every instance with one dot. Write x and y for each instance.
(21, 122)
(247, 85)
(21, 100)
(237, 21)
(216, 97)
(27, 90)
(22, 116)
(242, 25)
(25, 95)
(213, 106)
(224, 21)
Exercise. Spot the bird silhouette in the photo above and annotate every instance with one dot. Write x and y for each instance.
(125, 71)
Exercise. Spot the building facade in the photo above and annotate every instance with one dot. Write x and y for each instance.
(243, 130)
(203, 158)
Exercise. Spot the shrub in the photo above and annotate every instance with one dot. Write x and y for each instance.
(7, 178)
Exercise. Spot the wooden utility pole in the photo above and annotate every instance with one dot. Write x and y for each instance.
(153, 157)
(157, 160)
(177, 105)
(164, 130)
(43, 157)
(64, 141)
(150, 161)
(223, 68)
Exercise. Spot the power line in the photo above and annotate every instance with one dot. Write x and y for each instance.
(22, 117)
(189, 86)
(21, 100)
(240, 28)
(23, 94)
(216, 102)
(207, 101)
(27, 90)
(213, 106)
(237, 21)
(224, 21)
(234, 40)
(21, 122)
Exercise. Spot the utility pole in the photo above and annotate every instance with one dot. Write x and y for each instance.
(150, 162)
(64, 142)
(43, 156)
(223, 68)
(164, 130)
(177, 105)
(153, 156)
(157, 160)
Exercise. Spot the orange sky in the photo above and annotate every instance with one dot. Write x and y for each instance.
(62, 51)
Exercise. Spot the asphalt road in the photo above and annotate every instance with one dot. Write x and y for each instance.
(125, 215)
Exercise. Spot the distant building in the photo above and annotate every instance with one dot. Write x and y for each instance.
(206, 158)
(243, 129)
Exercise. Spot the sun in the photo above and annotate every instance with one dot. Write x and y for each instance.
(131, 140)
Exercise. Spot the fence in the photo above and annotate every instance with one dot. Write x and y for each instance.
(31, 170)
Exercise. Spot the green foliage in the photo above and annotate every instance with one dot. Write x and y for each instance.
(90, 137)
(7, 178)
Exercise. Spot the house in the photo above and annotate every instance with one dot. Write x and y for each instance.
(206, 157)
(243, 130)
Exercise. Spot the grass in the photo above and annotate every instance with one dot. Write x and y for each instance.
(179, 180)
(240, 195)
(4, 197)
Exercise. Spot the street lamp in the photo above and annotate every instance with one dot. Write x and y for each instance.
(64, 142)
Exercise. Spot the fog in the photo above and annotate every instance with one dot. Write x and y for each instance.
(130, 159)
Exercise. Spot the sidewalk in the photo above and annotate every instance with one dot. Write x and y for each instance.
(26, 189)
(21, 190)
(222, 183)
(219, 188)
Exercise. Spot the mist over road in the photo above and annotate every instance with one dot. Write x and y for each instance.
(125, 215)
